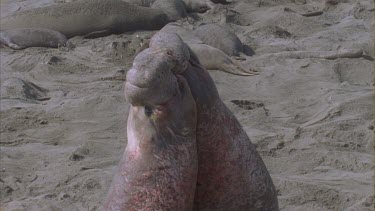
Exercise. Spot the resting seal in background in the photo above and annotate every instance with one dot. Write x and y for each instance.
(158, 170)
(221, 38)
(175, 9)
(32, 37)
(231, 174)
(210, 57)
(91, 18)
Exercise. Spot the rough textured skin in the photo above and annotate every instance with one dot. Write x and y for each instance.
(176, 47)
(158, 170)
(87, 16)
(175, 9)
(32, 37)
(160, 79)
(220, 38)
(231, 174)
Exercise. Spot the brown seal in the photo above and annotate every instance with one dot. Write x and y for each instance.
(158, 170)
(231, 174)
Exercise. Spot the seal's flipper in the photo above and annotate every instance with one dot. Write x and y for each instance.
(96, 34)
(236, 70)
(243, 69)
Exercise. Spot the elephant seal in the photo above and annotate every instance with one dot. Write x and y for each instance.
(211, 58)
(175, 9)
(32, 37)
(88, 17)
(158, 170)
(231, 174)
(197, 5)
(220, 38)
(214, 59)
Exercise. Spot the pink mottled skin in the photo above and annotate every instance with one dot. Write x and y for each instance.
(231, 174)
(158, 170)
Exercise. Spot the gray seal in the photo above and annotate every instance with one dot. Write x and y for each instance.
(175, 9)
(91, 18)
(220, 38)
(32, 37)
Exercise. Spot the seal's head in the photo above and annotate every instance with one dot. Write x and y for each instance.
(159, 94)
(150, 81)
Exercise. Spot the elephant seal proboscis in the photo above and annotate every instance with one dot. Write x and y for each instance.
(231, 174)
(91, 18)
(158, 170)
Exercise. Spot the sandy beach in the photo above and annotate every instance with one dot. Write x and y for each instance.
(63, 112)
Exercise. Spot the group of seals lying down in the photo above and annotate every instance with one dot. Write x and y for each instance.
(52, 25)
(211, 52)
(91, 18)
(186, 150)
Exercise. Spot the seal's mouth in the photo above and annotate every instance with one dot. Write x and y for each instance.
(151, 94)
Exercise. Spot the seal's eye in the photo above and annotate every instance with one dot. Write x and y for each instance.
(148, 111)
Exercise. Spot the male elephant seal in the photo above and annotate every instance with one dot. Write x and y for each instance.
(158, 170)
(221, 38)
(231, 174)
(88, 17)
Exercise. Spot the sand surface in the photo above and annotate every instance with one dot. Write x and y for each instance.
(63, 113)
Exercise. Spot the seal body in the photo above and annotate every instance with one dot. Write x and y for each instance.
(214, 59)
(87, 16)
(175, 9)
(231, 174)
(32, 37)
(199, 6)
(158, 170)
(211, 58)
(220, 38)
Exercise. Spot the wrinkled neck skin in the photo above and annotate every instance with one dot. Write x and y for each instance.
(231, 175)
(201, 84)
(159, 167)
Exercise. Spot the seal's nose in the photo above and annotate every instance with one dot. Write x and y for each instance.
(150, 81)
